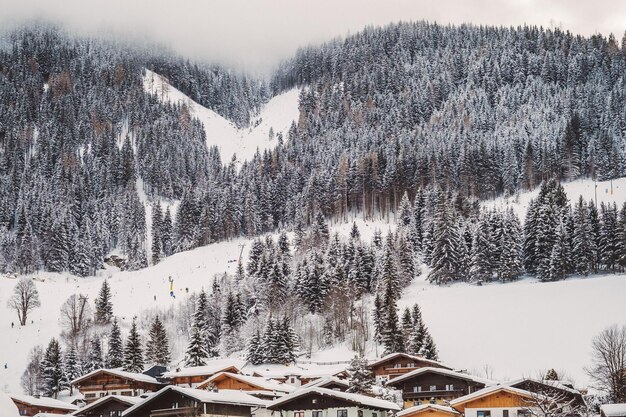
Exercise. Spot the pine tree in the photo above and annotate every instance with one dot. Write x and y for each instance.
(71, 366)
(391, 332)
(198, 349)
(157, 348)
(378, 318)
(551, 375)
(429, 349)
(157, 227)
(94, 357)
(581, 250)
(416, 337)
(254, 354)
(360, 378)
(133, 352)
(104, 306)
(482, 252)
(115, 351)
(559, 258)
(445, 257)
(52, 372)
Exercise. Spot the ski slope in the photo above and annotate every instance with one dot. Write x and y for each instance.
(278, 114)
(516, 329)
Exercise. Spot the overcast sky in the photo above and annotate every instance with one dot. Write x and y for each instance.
(257, 33)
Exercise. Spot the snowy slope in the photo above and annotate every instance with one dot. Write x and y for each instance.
(538, 325)
(277, 114)
(606, 192)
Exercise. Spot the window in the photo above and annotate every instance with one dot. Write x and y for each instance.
(505, 413)
(342, 413)
(397, 365)
(360, 413)
(433, 401)
(292, 380)
(450, 387)
(374, 414)
(523, 413)
(410, 365)
(298, 414)
(417, 388)
(483, 413)
(316, 413)
(175, 405)
(433, 387)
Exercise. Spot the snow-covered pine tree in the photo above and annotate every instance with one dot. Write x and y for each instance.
(157, 227)
(199, 346)
(94, 356)
(360, 377)
(581, 250)
(133, 351)
(71, 366)
(157, 347)
(510, 263)
(482, 262)
(429, 349)
(609, 237)
(445, 257)
(115, 351)
(104, 305)
(415, 340)
(52, 372)
(391, 332)
(405, 212)
(254, 354)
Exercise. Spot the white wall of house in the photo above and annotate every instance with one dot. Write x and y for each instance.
(333, 412)
(498, 412)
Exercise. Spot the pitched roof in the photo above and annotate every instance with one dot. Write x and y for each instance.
(130, 401)
(117, 372)
(441, 371)
(406, 355)
(44, 402)
(422, 407)
(259, 382)
(321, 382)
(548, 383)
(212, 367)
(488, 391)
(234, 397)
(614, 410)
(353, 398)
(284, 371)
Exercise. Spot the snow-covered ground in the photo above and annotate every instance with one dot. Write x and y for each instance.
(278, 114)
(516, 329)
(600, 191)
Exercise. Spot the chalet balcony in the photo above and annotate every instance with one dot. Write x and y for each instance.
(411, 395)
(175, 412)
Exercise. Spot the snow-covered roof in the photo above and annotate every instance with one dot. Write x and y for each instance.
(43, 402)
(260, 382)
(50, 415)
(614, 410)
(321, 382)
(117, 372)
(548, 383)
(7, 406)
(488, 391)
(284, 371)
(441, 371)
(422, 407)
(234, 397)
(212, 367)
(122, 398)
(406, 355)
(353, 398)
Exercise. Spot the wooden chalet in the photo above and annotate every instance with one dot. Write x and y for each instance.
(109, 406)
(396, 364)
(323, 402)
(296, 375)
(30, 406)
(254, 385)
(429, 410)
(557, 390)
(435, 385)
(193, 376)
(103, 382)
(496, 401)
(173, 401)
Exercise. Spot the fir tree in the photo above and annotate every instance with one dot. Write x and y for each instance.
(104, 305)
(360, 377)
(429, 350)
(115, 351)
(416, 337)
(133, 352)
(52, 372)
(71, 366)
(94, 357)
(157, 348)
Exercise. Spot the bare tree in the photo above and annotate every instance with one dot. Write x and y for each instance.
(24, 299)
(32, 380)
(76, 317)
(608, 371)
(549, 399)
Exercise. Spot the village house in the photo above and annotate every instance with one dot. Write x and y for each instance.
(396, 364)
(193, 376)
(496, 401)
(429, 410)
(102, 382)
(435, 385)
(173, 401)
(323, 402)
(30, 406)
(109, 406)
(559, 391)
(297, 375)
(254, 385)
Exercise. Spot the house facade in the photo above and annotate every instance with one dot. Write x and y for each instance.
(429, 410)
(109, 406)
(30, 406)
(396, 364)
(173, 401)
(193, 376)
(435, 386)
(103, 382)
(254, 385)
(496, 401)
(323, 402)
